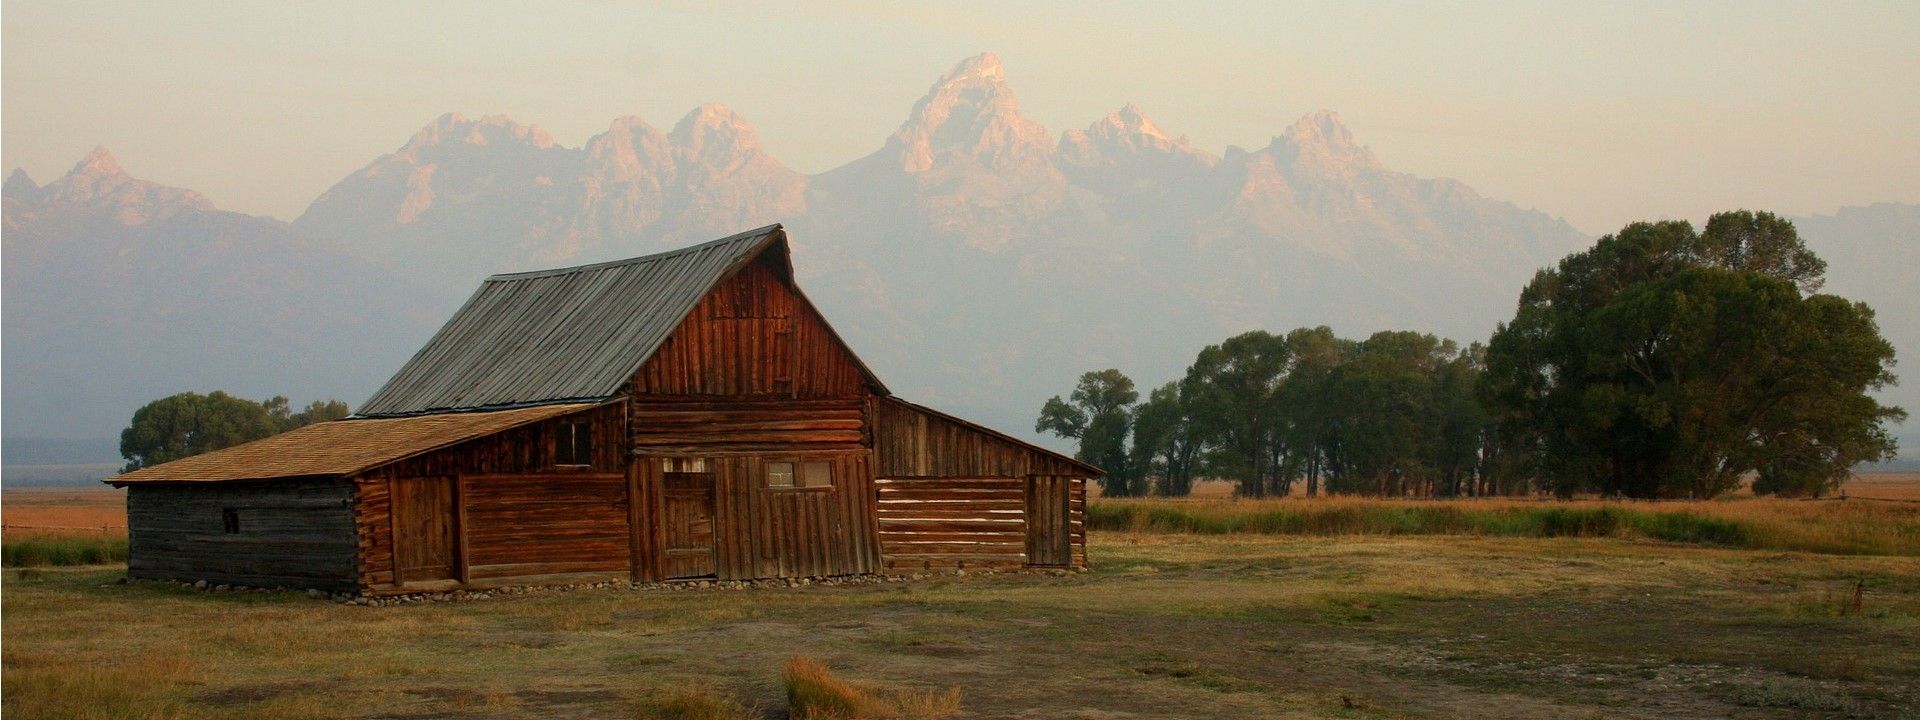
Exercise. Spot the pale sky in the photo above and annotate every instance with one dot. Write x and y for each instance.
(1601, 113)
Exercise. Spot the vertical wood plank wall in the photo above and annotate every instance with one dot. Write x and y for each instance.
(762, 532)
(752, 337)
(524, 516)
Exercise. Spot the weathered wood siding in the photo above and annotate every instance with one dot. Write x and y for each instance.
(545, 524)
(723, 427)
(910, 442)
(516, 514)
(291, 533)
(952, 523)
(762, 532)
(752, 337)
(953, 495)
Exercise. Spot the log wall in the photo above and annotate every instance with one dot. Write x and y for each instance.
(952, 523)
(954, 495)
(290, 533)
(672, 427)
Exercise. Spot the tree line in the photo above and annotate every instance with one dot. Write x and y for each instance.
(1663, 362)
(189, 423)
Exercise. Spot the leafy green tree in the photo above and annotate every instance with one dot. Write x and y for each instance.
(1461, 424)
(316, 411)
(189, 423)
(1100, 415)
(1668, 363)
(1232, 391)
(1385, 417)
(1307, 403)
(1166, 443)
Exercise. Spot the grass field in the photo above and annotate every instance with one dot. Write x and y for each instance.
(1864, 527)
(1168, 625)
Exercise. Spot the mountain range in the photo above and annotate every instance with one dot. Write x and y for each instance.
(975, 259)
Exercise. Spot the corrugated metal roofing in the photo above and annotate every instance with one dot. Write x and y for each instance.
(570, 334)
(342, 447)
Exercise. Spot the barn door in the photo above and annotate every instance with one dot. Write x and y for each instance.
(686, 512)
(1048, 533)
(424, 520)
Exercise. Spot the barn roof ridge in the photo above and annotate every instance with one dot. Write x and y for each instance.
(759, 232)
(567, 334)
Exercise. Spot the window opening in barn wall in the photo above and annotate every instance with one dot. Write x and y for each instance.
(816, 474)
(790, 474)
(573, 444)
(780, 475)
(230, 521)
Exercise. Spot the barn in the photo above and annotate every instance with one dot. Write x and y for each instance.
(681, 416)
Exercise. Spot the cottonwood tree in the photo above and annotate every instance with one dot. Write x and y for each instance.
(1166, 443)
(189, 423)
(1099, 414)
(1668, 363)
(1232, 391)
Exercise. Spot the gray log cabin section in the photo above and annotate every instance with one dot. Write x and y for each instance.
(676, 416)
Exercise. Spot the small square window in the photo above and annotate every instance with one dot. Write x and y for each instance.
(573, 444)
(817, 474)
(230, 521)
(779, 474)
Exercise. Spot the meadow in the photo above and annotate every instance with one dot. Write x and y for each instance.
(1170, 623)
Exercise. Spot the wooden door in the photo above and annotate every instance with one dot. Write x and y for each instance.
(686, 514)
(424, 530)
(1049, 535)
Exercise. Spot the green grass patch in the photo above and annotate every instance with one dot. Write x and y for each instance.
(58, 551)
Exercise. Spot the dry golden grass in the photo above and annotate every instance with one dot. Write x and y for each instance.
(1877, 485)
(1884, 486)
(142, 687)
(814, 693)
(1166, 626)
(63, 512)
(1827, 526)
(692, 703)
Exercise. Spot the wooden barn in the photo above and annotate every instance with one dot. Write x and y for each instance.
(687, 415)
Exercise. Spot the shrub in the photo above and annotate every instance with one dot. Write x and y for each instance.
(693, 703)
(813, 693)
(55, 550)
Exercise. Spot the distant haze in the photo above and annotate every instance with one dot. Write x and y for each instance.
(1600, 113)
(294, 202)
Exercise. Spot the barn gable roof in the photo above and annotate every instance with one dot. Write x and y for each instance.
(565, 335)
(342, 447)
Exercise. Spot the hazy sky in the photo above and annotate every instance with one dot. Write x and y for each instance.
(1597, 112)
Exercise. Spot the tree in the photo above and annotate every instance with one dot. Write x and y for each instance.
(189, 423)
(316, 411)
(1385, 417)
(1233, 388)
(1100, 416)
(1306, 402)
(1668, 363)
(1166, 443)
